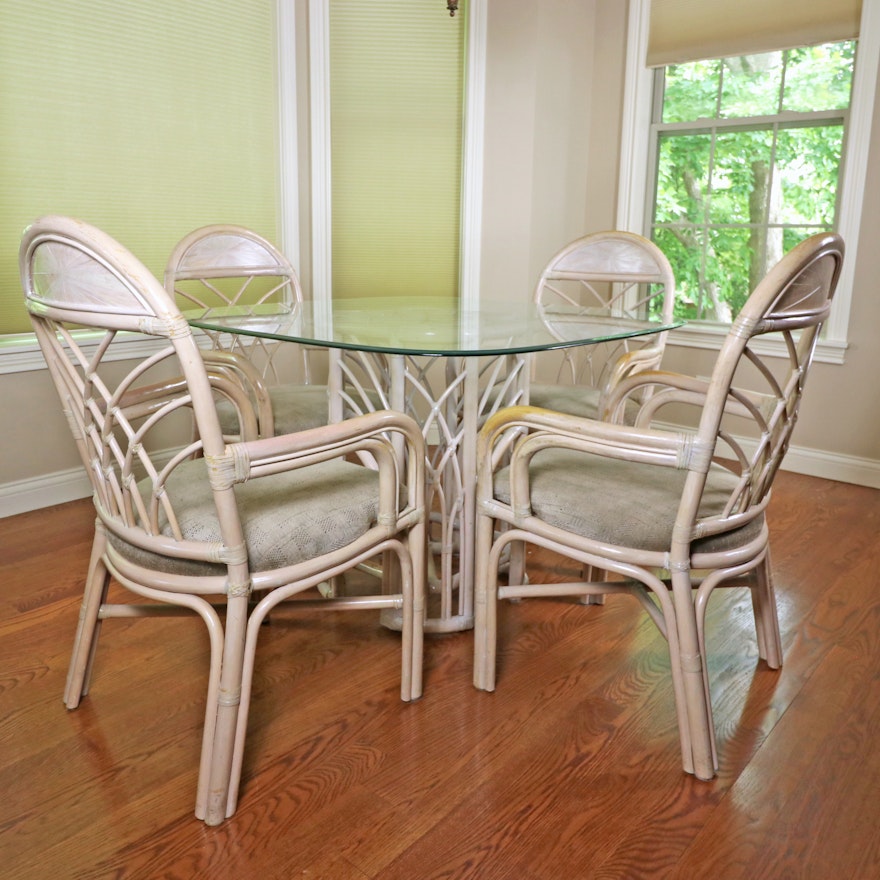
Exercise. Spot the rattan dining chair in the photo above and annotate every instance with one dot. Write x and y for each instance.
(674, 513)
(226, 265)
(227, 531)
(616, 275)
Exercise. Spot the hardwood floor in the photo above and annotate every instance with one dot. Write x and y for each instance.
(570, 770)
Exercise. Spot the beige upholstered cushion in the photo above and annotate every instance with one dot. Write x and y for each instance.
(294, 407)
(287, 518)
(576, 400)
(620, 502)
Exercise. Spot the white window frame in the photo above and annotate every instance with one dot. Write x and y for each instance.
(633, 197)
(472, 152)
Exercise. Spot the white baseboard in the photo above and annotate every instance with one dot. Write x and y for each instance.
(21, 496)
(833, 466)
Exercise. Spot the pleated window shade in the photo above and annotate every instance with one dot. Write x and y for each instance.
(396, 107)
(692, 30)
(145, 119)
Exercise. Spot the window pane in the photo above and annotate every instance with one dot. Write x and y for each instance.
(741, 178)
(691, 91)
(147, 120)
(396, 87)
(727, 282)
(750, 85)
(793, 235)
(682, 178)
(684, 250)
(809, 162)
(819, 77)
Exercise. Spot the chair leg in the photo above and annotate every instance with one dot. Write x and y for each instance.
(225, 708)
(417, 542)
(517, 563)
(485, 606)
(85, 643)
(701, 601)
(693, 671)
(411, 575)
(591, 574)
(766, 614)
(247, 678)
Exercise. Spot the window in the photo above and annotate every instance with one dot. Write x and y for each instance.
(746, 162)
(145, 119)
(396, 109)
(351, 207)
(732, 120)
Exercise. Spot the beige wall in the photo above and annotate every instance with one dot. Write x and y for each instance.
(35, 436)
(537, 137)
(553, 108)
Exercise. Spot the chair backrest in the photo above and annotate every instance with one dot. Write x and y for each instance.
(751, 404)
(616, 275)
(76, 278)
(224, 265)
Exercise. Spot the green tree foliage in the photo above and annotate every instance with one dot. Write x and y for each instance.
(748, 159)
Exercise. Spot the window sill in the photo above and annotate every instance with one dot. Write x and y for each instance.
(711, 336)
(20, 353)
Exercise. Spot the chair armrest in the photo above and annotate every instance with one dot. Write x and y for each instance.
(314, 441)
(510, 424)
(373, 433)
(656, 388)
(629, 363)
(636, 361)
(516, 434)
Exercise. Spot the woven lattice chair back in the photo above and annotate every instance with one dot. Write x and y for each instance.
(78, 276)
(221, 267)
(615, 275)
(227, 531)
(751, 404)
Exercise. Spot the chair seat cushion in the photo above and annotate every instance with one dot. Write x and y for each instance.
(294, 408)
(287, 518)
(623, 503)
(298, 407)
(576, 400)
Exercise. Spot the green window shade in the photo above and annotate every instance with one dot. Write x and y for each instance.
(396, 107)
(145, 119)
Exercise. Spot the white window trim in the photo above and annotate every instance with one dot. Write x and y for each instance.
(472, 153)
(21, 353)
(635, 134)
(288, 152)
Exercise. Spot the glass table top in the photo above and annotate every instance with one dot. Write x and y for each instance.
(424, 325)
